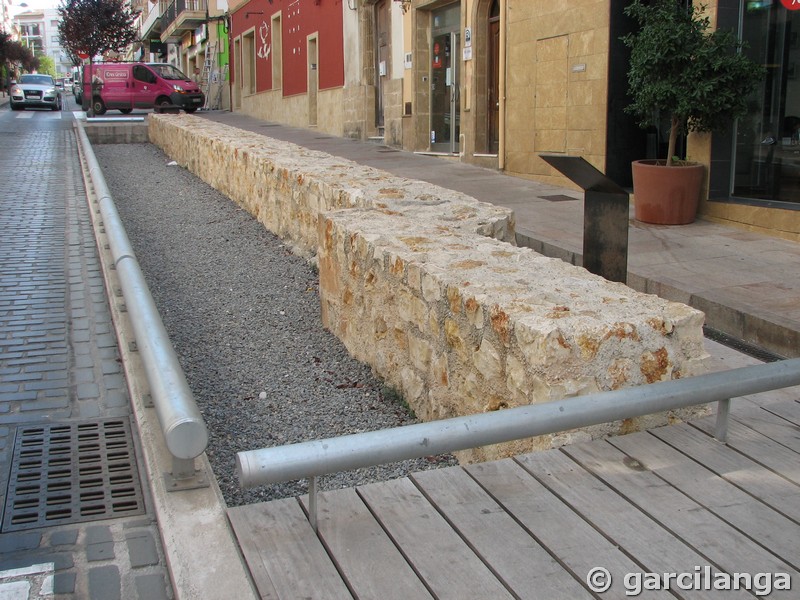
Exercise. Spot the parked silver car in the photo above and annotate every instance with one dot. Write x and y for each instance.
(35, 91)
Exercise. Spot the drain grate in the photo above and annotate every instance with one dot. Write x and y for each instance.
(742, 346)
(71, 473)
(558, 198)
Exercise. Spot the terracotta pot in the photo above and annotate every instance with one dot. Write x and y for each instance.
(665, 195)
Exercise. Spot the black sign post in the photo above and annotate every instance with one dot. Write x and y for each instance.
(605, 217)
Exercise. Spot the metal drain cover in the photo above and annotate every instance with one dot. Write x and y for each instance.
(71, 473)
(558, 198)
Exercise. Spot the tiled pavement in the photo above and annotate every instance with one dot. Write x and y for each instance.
(60, 367)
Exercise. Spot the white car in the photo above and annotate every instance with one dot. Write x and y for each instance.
(35, 91)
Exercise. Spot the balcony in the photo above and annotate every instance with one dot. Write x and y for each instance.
(181, 16)
(151, 21)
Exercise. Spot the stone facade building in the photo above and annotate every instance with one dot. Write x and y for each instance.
(499, 82)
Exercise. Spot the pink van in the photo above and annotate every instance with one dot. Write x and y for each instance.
(125, 86)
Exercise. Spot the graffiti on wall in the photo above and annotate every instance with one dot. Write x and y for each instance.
(264, 42)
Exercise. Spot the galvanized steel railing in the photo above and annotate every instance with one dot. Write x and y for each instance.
(318, 457)
(181, 422)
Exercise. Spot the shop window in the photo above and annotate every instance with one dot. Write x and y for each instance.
(767, 140)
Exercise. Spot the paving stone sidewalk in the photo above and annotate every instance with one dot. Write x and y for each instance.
(76, 516)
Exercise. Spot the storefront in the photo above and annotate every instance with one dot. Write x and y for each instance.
(766, 161)
(445, 79)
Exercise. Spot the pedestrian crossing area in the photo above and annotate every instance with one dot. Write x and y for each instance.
(40, 114)
(27, 583)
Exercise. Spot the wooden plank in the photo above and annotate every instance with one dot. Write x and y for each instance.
(638, 535)
(764, 484)
(774, 427)
(448, 566)
(758, 447)
(761, 523)
(744, 405)
(786, 410)
(284, 554)
(366, 557)
(260, 575)
(498, 539)
(572, 540)
(723, 545)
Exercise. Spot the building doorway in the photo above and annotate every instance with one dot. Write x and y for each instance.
(383, 52)
(493, 80)
(445, 79)
(238, 79)
(313, 80)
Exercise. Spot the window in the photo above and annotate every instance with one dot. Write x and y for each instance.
(142, 73)
(249, 63)
(767, 150)
(277, 53)
(30, 30)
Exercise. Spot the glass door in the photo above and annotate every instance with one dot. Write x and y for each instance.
(444, 81)
(767, 153)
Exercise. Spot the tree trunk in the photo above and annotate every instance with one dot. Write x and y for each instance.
(673, 139)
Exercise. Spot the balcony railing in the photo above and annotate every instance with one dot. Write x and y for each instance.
(152, 22)
(185, 14)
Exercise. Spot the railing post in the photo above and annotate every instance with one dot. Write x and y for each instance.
(721, 428)
(312, 502)
(184, 476)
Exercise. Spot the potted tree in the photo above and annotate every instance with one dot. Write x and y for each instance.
(699, 80)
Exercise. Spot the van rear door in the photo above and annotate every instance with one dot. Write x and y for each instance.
(117, 90)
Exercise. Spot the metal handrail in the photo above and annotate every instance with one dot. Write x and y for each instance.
(332, 455)
(182, 424)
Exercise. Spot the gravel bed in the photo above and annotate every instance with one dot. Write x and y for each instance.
(243, 315)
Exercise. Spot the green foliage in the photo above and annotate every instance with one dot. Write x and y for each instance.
(96, 26)
(15, 56)
(700, 79)
(47, 66)
(395, 396)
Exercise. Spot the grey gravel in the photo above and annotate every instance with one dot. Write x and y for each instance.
(242, 312)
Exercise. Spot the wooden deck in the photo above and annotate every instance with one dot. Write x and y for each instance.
(670, 500)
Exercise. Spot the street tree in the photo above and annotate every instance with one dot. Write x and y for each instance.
(15, 57)
(46, 65)
(96, 27)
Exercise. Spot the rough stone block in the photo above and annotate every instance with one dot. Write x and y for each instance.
(509, 327)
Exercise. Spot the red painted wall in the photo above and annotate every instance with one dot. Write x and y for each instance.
(299, 19)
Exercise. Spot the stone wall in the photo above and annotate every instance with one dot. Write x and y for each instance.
(287, 187)
(426, 286)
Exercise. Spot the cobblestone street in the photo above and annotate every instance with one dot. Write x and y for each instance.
(61, 376)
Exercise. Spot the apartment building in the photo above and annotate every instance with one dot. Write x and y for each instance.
(38, 30)
(190, 34)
